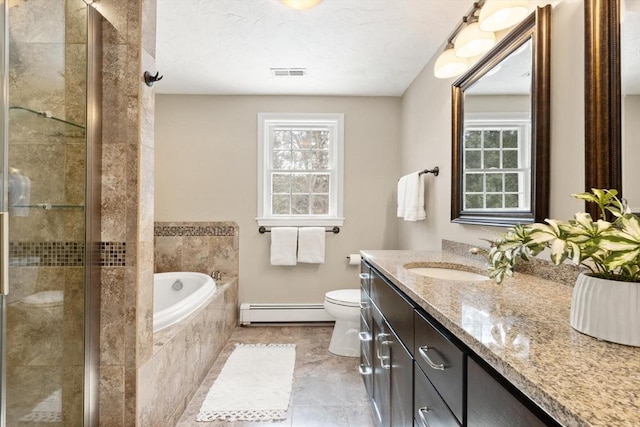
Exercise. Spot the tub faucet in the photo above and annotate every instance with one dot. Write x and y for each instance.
(217, 275)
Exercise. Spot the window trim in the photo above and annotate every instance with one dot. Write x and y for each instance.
(266, 121)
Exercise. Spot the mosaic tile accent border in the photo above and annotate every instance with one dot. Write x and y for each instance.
(64, 254)
(113, 254)
(46, 254)
(194, 230)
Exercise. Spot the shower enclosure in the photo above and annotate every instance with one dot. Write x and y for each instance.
(46, 258)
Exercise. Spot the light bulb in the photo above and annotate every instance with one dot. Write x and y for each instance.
(301, 4)
(497, 15)
(472, 41)
(449, 65)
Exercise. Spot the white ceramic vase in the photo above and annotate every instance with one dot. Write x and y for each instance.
(607, 309)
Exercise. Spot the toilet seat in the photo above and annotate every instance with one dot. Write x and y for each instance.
(45, 299)
(344, 297)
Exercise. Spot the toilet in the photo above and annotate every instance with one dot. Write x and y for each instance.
(344, 306)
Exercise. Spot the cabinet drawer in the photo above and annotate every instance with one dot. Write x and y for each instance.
(491, 404)
(395, 308)
(428, 408)
(442, 362)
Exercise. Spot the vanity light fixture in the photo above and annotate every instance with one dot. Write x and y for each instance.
(449, 65)
(301, 4)
(472, 41)
(497, 15)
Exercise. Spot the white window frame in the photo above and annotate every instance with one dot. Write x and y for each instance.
(522, 121)
(266, 123)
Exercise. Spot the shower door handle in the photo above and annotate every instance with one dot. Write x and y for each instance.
(4, 253)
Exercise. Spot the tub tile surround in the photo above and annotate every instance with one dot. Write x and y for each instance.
(182, 356)
(197, 246)
(575, 378)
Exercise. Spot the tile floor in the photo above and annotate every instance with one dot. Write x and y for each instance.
(327, 389)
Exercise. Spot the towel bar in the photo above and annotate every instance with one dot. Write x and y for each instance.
(435, 171)
(334, 230)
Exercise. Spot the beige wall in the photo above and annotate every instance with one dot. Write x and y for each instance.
(206, 163)
(426, 136)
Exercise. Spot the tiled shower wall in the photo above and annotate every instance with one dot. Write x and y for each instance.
(202, 247)
(126, 316)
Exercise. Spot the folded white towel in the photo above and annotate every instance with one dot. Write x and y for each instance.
(414, 198)
(19, 193)
(311, 245)
(402, 191)
(284, 242)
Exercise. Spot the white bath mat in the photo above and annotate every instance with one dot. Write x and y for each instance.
(47, 411)
(254, 384)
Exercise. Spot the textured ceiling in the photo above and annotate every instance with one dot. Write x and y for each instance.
(349, 47)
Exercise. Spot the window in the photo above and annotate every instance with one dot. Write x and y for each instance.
(497, 167)
(300, 169)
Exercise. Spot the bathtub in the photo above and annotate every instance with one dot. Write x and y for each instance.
(177, 295)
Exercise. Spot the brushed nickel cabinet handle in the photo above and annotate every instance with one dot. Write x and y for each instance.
(364, 370)
(4, 253)
(379, 339)
(383, 359)
(363, 276)
(423, 419)
(423, 353)
(364, 336)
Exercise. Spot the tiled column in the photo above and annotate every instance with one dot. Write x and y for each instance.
(126, 315)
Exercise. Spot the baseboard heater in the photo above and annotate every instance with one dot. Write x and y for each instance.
(282, 313)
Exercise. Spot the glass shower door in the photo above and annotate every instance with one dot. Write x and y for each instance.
(44, 174)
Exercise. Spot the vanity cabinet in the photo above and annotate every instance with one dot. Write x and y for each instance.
(416, 372)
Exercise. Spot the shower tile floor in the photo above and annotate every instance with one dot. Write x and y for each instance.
(327, 389)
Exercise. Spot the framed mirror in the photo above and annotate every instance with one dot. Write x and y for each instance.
(501, 113)
(612, 98)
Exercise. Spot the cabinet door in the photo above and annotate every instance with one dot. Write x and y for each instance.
(489, 404)
(381, 370)
(401, 383)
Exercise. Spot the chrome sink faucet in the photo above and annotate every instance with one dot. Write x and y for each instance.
(217, 275)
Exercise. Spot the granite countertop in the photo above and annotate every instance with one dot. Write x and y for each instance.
(521, 328)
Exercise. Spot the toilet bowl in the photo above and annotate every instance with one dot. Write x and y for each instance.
(344, 306)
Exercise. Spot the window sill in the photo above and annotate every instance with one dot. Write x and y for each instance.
(300, 222)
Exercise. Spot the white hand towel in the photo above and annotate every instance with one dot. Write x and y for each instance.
(311, 245)
(414, 198)
(402, 194)
(284, 242)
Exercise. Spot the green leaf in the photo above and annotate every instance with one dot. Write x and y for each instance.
(558, 251)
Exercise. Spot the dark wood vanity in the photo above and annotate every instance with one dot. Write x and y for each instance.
(416, 372)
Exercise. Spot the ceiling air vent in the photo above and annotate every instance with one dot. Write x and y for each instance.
(288, 72)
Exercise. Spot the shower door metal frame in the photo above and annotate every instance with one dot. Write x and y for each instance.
(93, 170)
(4, 162)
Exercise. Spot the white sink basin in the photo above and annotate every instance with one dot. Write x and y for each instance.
(448, 274)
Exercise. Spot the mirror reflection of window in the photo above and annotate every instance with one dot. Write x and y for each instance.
(496, 139)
